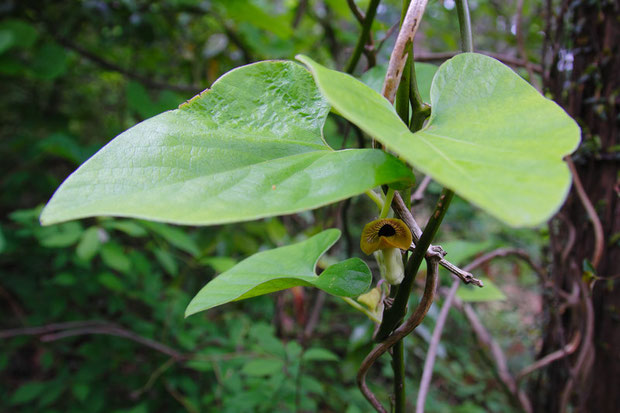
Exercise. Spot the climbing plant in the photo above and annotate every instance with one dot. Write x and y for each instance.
(252, 146)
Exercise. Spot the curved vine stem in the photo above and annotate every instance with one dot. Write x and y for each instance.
(599, 238)
(389, 332)
(432, 266)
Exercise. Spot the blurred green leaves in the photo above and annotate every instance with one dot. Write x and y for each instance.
(22, 53)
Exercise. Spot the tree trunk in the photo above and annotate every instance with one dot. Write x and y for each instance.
(583, 39)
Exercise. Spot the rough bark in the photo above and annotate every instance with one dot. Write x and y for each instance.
(588, 380)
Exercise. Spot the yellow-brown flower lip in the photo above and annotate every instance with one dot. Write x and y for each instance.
(385, 233)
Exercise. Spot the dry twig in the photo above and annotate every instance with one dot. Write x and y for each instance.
(567, 350)
(441, 320)
(57, 331)
(398, 57)
(506, 59)
(401, 210)
(418, 195)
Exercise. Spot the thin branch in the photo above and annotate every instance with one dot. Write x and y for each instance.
(418, 195)
(570, 239)
(387, 35)
(145, 80)
(429, 361)
(509, 60)
(399, 54)
(405, 329)
(365, 36)
(299, 12)
(15, 307)
(153, 378)
(183, 401)
(506, 252)
(585, 356)
(315, 314)
(57, 331)
(431, 355)
(118, 332)
(465, 276)
(599, 238)
(401, 210)
(49, 328)
(359, 15)
(485, 338)
(567, 350)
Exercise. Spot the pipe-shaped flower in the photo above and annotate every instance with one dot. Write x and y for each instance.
(391, 265)
(385, 233)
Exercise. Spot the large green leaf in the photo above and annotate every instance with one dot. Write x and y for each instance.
(282, 268)
(249, 147)
(492, 138)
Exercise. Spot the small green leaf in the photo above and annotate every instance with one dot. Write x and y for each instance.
(491, 137)
(6, 40)
(249, 147)
(167, 261)
(89, 244)
(111, 281)
(490, 292)
(50, 61)
(28, 392)
(22, 34)
(343, 278)
(65, 279)
(114, 257)
(319, 354)
(174, 236)
(80, 391)
(282, 268)
(61, 236)
(129, 227)
(262, 367)
(219, 264)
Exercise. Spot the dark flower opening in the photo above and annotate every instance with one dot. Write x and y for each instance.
(387, 231)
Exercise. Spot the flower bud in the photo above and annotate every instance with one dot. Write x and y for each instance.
(391, 265)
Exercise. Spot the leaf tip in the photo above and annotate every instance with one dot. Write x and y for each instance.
(191, 309)
(45, 219)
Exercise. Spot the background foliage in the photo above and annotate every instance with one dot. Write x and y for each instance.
(74, 75)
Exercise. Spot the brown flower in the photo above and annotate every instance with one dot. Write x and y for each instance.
(385, 233)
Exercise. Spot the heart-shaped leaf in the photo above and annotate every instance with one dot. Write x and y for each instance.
(492, 138)
(249, 147)
(282, 268)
